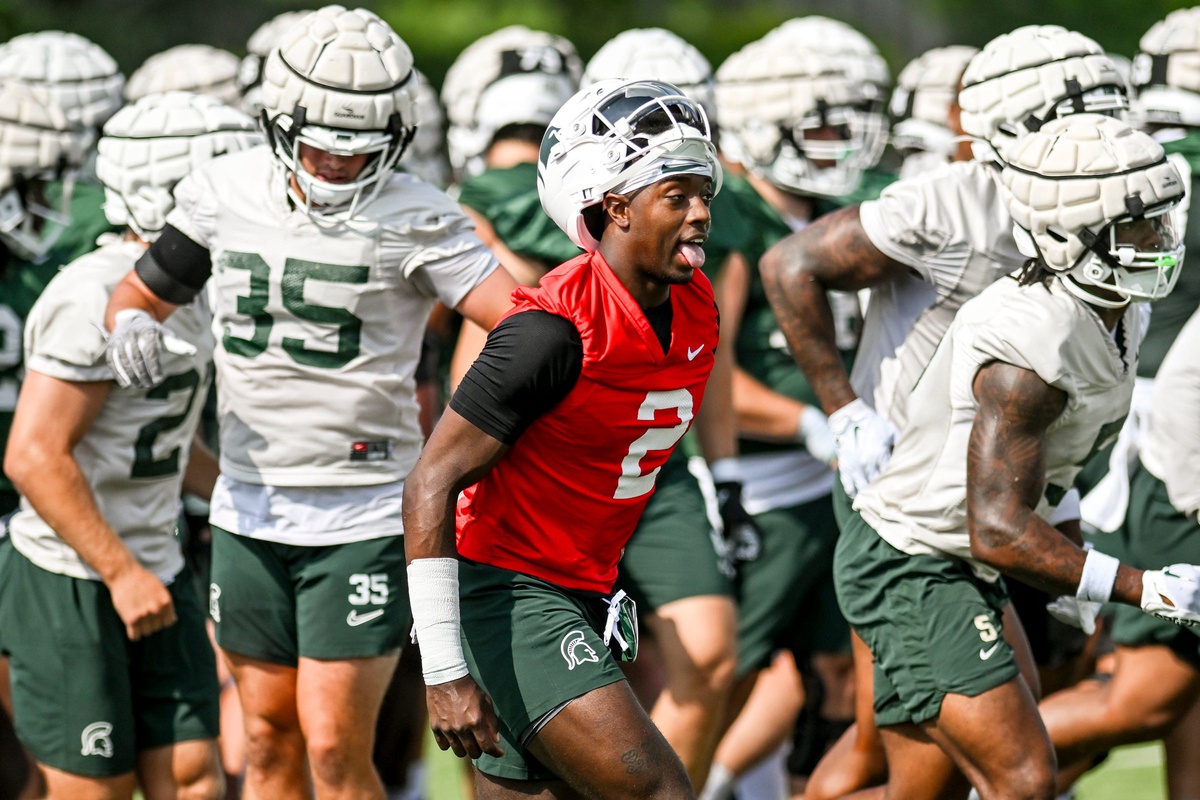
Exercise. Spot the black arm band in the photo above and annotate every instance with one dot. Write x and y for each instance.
(174, 267)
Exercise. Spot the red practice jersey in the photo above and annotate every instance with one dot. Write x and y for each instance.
(563, 501)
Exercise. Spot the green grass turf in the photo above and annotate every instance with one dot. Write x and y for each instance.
(1129, 773)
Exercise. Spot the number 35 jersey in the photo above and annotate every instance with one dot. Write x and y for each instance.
(319, 326)
(565, 498)
(135, 451)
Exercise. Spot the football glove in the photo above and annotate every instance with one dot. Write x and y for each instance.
(1173, 593)
(742, 537)
(815, 435)
(864, 442)
(1077, 613)
(133, 350)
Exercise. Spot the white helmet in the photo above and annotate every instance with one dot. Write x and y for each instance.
(36, 142)
(148, 146)
(1166, 70)
(772, 98)
(1091, 197)
(862, 63)
(250, 70)
(342, 82)
(655, 54)
(514, 76)
(1021, 80)
(67, 71)
(619, 136)
(426, 156)
(195, 68)
(920, 106)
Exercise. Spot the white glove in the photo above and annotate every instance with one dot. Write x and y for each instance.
(815, 435)
(1173, 593)
(864, 444)
(1077, 613)
(133, 349)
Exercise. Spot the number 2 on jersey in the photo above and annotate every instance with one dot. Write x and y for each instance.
(633, 483)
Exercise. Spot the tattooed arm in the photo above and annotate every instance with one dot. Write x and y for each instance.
(1006, 476)
(832, 253)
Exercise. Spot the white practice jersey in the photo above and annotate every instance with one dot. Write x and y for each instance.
(319, 326)
(1170, 445)
(951, 227)
(919, 503)
(135, 452)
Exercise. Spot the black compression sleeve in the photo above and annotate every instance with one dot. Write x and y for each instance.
(529, 364)
(174, 267)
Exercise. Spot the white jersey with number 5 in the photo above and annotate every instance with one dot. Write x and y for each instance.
(135, 451)
(319, 326)
(919, 502)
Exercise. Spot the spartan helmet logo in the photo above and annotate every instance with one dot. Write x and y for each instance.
(96, 740)
(214, 597)
(576, 651)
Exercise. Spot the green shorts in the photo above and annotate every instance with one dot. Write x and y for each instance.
(785, 596)
(1154, 535)
(532, 647)
(933, 627)
(279, 602)
(87, 700)
(671, 555)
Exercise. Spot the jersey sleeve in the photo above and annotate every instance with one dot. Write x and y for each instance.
(530, 362)
(1030, 331)
(195, 211)
(63, 335)
(435, 245)
(924, 223)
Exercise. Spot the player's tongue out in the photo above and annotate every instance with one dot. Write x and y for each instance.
(692, 253)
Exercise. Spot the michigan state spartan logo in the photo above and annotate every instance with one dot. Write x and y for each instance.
(214, 602)
(96, 741)
(575, 650)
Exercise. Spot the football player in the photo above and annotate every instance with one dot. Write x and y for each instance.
(924, 110)
(325, 263)
(924, 247)
(1140, 508)
(562, 426)
(114, 681)
(1033, 377)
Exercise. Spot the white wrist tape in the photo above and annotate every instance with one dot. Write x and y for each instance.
(433, 593)
(1099, 575)
(724, 470)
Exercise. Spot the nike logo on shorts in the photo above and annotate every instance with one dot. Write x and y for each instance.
(354, 619)
(693, 353)
(984, 655)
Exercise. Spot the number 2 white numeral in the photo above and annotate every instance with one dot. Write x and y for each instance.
(632, 482)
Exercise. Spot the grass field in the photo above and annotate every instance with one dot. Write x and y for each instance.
(1130, 773)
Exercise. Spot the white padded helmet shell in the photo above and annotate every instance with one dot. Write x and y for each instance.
(1071, 184)
(619, 136)
(1021, 80)
(655, 54)
(341, 81)
(862, 63)
(514, 76)
(196, 68)
(426, 156)
(1166, 70)
(925, 91)
(150, 145)
(67, 71)
(250, 70)
(36, 141)
(769, 94)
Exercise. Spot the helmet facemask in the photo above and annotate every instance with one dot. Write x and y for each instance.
(27, 227)
(1136, 257)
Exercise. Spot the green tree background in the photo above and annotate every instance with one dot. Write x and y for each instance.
(437, 30)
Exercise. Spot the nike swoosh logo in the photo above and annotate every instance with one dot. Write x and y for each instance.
(354, 619)
(984, 655)
(693, 353)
